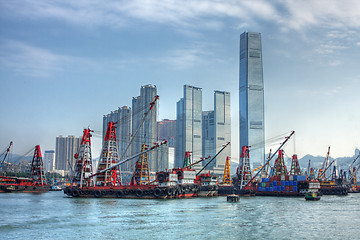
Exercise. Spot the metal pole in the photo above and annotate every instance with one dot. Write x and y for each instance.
(213, 158)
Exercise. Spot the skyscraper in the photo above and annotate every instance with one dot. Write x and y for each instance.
(49, 160)
(167, 131)
(66, 147)
(122, 118)
(148, 131)
(189, 126)
(251, 96)
(217, 131)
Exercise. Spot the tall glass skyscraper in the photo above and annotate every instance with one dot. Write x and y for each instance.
(148, 132)
(251, 96)
(217, 131)
(189, 126)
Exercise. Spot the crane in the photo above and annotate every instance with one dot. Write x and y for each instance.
(6, 153)
(322, 171)
(282, 144)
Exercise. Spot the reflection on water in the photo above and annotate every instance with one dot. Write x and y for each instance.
(53, 216)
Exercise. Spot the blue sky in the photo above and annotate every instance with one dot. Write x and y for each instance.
(64, 64)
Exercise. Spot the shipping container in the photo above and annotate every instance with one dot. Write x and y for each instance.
(275, 183)
(291, 178)
(295, 177)
(283, 183)
(282, 188)
(286, 177)
(282, 178)
(286, 183)
(295, 188)
(291, 183)
(294, 183)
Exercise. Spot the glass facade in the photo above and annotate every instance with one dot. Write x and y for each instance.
(217, 131)
(189, 126)
(148, 131)
(222, 121)
(251, 96)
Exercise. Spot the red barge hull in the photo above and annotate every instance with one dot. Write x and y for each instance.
(140, 191)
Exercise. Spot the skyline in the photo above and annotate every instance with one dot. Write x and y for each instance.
(65, 65)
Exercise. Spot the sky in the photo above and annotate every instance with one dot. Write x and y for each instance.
(65, 64)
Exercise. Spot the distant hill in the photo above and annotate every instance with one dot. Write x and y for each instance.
(316, 162)
(16, 159)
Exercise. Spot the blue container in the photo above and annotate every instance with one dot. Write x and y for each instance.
(267, 189)
(263, 180)
(263, 189)
(283, 183)
(294, 183)
(259, 189)
(275, 183)
(301, 178)
(275, 188)
(295, 177)
(291, 183)
(267, 179)
(295, 188)
(282, 188)
(286, 183)
(271, 184)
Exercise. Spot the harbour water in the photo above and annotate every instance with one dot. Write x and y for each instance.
(54, 216)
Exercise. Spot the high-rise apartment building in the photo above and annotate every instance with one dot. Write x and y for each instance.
(122, 118)
(189, 126)
(167, 131)
(217, 131)
(66, 147)
(251, 96)
(148, 132)
(49, 160)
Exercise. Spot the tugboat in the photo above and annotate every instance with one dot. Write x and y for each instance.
(313, 190)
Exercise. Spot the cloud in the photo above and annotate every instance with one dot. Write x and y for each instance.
(327, 13)
(291, 14)
(330, 47)
(187, 57)
(358, 43)
(335, 63)
(29, 60)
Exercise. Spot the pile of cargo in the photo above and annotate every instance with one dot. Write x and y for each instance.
(284, 184)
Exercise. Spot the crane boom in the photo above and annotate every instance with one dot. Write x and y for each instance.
(268, 161)
(128, 159)
(6, 153)
(213, 158)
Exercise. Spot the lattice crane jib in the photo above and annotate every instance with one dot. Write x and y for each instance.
(109, 156)
(322, 171)
(279, 166)
(141, 174)
(37, 167)
(295, 167)
(244, 171)
(227, 176)
(83, 161)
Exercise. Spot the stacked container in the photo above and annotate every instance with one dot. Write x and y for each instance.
(284, 183)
